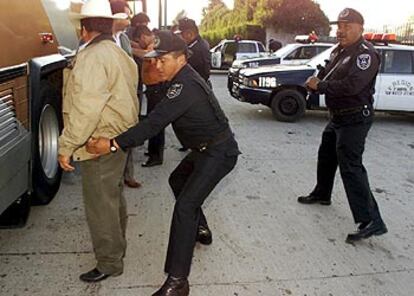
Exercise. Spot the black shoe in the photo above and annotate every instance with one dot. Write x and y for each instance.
(95, 275)
(174, 287)
(366, 230)
(183, 149)
(311, 199)
(151, 162)
(204, 235)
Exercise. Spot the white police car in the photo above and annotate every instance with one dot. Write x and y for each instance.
(282, 88)
(291, 54)
(224, 53)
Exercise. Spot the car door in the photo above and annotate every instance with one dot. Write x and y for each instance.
(395, 83)
(216, 55)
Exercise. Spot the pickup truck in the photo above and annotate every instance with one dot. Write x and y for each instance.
(224, 53)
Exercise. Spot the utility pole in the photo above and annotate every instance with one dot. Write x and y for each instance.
(165, 15)
(144, 5)
(159, 14)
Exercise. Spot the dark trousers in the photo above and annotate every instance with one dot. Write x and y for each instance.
(154, 95)
(343, 142)
(192, 181)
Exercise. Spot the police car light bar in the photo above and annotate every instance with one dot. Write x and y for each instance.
(312, 37)
(379, 37)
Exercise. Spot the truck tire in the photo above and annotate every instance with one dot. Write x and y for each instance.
(15, 216)
(288, 105)
(46, 127)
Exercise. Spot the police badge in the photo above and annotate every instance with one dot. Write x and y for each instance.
(344, 13)
(364, 61)
(174, 90)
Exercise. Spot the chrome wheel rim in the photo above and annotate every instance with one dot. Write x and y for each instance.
(48, 141)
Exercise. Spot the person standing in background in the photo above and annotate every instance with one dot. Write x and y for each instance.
(121, 38)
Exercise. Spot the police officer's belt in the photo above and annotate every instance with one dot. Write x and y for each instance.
(347, 111)
(220, 138)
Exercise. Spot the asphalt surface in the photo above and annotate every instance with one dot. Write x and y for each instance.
(265, 243)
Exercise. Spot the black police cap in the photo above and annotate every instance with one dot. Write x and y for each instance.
(187, 24)
(166, 42)
(349, 15)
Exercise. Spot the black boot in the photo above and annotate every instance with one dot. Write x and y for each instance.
(204, 235)
(95, 275)
(152, 161)
(311, 199)
(366, 230)
(174, 287)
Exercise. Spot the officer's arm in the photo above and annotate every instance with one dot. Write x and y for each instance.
(359, 76)
(165, 112)
(90, 95)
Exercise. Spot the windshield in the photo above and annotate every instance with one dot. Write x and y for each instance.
(285, 50)
(320, 58)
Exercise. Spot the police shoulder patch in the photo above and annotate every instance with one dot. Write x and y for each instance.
(174, 90)
(364, 61)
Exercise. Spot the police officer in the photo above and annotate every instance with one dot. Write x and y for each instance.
(348, 83)
(200, 58)
(201, 125)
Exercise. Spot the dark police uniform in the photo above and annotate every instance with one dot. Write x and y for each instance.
(201, 125)
(200, 58)
(348, 83)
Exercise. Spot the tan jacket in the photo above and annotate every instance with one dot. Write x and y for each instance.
(99, 97)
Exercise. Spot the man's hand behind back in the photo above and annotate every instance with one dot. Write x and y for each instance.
(98, 146)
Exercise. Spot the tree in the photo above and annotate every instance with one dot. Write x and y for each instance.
(296, 16)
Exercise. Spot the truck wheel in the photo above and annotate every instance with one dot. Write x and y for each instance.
(288, 105)
(15, 216)
(46, 128)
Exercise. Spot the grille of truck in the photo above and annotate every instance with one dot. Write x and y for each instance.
(9, 126)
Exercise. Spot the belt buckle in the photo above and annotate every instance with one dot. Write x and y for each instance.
(202, 147)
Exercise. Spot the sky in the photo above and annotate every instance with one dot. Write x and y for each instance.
(377, 13)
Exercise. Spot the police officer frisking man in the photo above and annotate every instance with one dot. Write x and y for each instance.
(200, 124)
(348, 83)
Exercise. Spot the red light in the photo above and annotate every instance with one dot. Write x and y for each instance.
(368, 36)
(377, 37)
(46, 37)
(389, 37)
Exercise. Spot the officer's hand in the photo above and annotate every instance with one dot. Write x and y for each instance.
(64, 162)
(98, 146)
(312, 83)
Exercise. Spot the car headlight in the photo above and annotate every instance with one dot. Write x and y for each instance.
(238, 66)
(250, 82)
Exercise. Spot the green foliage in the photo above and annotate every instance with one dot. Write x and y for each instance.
(289, 16)
(297, 16)
(251, 32)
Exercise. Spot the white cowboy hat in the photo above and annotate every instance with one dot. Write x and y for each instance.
(97, 8)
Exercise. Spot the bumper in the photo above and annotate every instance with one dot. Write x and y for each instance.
(251, 95)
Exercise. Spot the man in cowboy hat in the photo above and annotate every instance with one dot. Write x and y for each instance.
(348, 82)
(191, 107)
(100, 100)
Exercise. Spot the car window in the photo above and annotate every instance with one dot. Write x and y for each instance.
(398, 61)
(322, 48)
(261, 47)
(245, 47)
(302, 53)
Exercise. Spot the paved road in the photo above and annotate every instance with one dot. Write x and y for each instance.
(264, 242)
